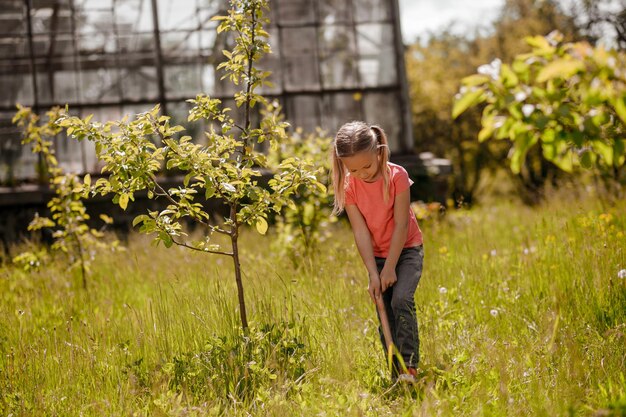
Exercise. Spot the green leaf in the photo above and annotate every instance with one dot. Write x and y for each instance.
(565, 161)
(140, 219)
(475, 79)
(604, 150)
(485, 133)
(209, 190)
(106, 219)
(586, 159)
(620, 108)
(123, 201)
(523, 142)
(561, 68)
(509, 78)
(466, 101)
(261, 225)
(538, 42)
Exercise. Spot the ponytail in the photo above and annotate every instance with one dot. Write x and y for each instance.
(339, 182)
(383, 147)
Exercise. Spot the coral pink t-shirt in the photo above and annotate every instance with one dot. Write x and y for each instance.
(378, 215)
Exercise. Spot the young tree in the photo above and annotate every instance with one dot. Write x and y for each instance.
(227, 167)
(68, 220)
(302, 226)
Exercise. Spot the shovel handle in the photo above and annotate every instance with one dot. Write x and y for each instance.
(384, 322)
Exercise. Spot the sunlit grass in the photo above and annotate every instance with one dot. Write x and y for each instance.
(521, 311)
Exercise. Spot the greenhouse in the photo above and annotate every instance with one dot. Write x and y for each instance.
(332, 61)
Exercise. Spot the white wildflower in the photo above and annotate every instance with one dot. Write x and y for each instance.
(443, 290)
(528, 109)
(621, 274)
(493, 252)
(521, 96)
(494, 312)
(492, 69)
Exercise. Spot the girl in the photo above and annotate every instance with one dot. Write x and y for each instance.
(375, 195)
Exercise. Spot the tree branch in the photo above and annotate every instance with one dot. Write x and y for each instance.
(217, 252)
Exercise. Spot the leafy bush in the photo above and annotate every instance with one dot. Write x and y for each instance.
(303, 224)
(567, 98)
(68, 221)
(241, 368)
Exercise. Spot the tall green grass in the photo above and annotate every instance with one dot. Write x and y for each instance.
(521, 312)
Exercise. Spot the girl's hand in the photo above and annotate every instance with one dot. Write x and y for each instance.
(387, 278)
(374, 287)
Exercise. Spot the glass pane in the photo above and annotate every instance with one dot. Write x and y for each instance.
(377, 65)
(295, 11)
(207, 78)
(340, 108)
(12, 18)
(11, 47)
(69, 153)
(136, 42)
(301, 73)
(48, 19)
(44, 87)
(372, 10)
(63, 45)
(304, 112)
(300, 59)
(65, 87)
(338, 61)
(335, 11)
(182, 81)
(372, 38)
(206, 11)
(91, 21)
(12, 152)
(378, 71)
(177, 14)
(13, 6)
(97, 42)
(139, 83)
(94, 4)
(272, 63)
(223, 88)
(206, 39)
(16, 88)
(100, 85)
(180, 43)
(133, 16)
(384, 109)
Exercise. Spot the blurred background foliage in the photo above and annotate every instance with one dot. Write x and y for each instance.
(436, 65)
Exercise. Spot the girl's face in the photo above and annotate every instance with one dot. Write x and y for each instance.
(363, 165)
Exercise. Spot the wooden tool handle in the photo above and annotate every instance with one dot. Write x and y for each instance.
(384, 322)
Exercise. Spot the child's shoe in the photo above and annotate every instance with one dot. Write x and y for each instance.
(409, 377)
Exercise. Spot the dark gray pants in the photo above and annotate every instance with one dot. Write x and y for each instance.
(400, 305)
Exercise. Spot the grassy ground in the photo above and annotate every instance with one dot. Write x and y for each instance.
(521, 312)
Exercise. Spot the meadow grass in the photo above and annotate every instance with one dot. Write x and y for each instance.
(521, 312)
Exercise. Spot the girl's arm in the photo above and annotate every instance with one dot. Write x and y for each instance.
(363, 242)
(401, 207)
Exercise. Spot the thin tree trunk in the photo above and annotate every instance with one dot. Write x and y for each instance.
(82, 262)
(233, 238)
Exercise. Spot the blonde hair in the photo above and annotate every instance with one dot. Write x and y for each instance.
(351, 139)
